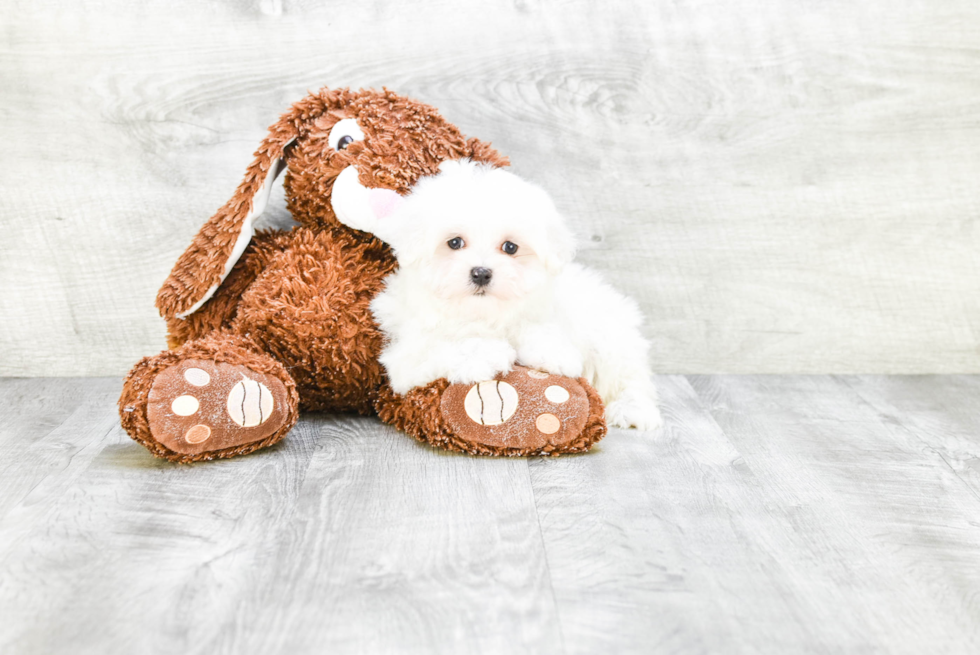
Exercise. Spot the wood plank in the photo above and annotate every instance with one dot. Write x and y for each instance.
(648, 544)
(125, 553)
(49, 430)
(941, 411)
(774, 514)
(395, 547)
(33, 407)
(877, 537)
(783, 189)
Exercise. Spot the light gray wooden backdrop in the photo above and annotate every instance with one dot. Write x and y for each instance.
(784, 185)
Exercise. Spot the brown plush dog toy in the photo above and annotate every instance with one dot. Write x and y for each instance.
(263, 324)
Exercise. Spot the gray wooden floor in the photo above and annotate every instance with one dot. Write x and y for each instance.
(774, 514)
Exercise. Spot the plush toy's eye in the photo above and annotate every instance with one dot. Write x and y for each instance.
(509, 247)
(456, 243)
(344, 133)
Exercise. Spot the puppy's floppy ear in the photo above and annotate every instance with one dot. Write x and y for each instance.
(559, 247)
(401, 230)
(555, 241)
(220, 242)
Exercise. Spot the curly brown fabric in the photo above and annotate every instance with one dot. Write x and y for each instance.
(218, 312)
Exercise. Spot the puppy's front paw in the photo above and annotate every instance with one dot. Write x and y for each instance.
(634, 413)
(568, 366)
(556, 355)
(476, 360)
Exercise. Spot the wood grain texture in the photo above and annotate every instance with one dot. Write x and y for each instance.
(875, 534)
(784, 186)
(939, 412)
(395, 547)
(785, 514)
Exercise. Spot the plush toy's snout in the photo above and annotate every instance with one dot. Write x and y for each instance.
(384, 202)
(360, 207)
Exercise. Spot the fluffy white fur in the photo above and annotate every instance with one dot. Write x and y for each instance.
(539, 309)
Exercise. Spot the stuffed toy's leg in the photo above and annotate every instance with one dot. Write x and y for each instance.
(525, 412)
(217, 396)
(218, 312)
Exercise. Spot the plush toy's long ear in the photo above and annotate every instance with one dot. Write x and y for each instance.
(220, 242)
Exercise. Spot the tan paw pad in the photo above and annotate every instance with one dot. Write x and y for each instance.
(198, 377)
(250, 403)
(197, 434)
(556, 394)
(491, 402)
(547, 424)
(185, 405)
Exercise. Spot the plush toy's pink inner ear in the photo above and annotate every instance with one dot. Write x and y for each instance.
(384, 202)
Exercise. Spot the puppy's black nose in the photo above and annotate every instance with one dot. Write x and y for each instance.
(480, 276)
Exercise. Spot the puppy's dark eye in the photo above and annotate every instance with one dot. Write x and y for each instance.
(456, 243)
(344, 141)
(509, 247)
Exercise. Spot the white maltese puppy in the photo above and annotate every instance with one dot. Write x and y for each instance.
(485, 280)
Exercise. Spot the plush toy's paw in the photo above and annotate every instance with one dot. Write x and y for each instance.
(526, 412)
(198, 406)
(631, 412)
